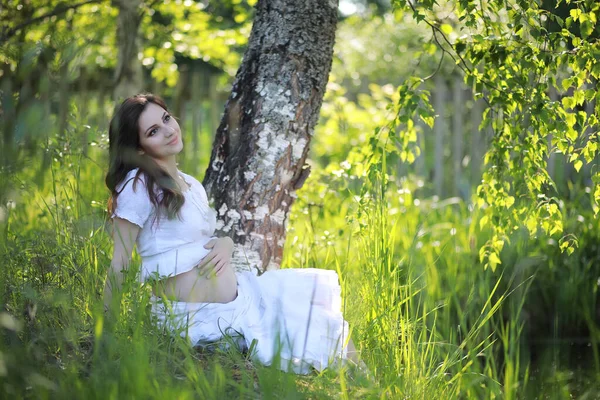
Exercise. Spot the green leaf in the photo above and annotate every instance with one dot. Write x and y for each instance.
(428, 120)
(559, 21)
(482, 253)
(590, 94)
(568, 102)
(483, 222)
(494, 260)
(509, 201)
(586, 28)
(531, 224)
(574, 13)
(578, 164)
(446, 29)
(570, 119)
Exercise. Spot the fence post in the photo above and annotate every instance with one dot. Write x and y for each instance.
(476, 141)
(420, 165)
(589, 168)
(551, 168)
(197, 97)
(82, 105)
(439, 99)
(457, 134)
(214, 106)
(179, 98)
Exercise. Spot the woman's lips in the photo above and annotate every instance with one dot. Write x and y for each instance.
(174, 141)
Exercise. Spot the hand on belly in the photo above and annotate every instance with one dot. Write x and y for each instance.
(194, 288)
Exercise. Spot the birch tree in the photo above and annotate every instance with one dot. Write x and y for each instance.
(259, 153)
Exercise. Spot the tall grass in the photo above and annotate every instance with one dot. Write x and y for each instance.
(429, 321)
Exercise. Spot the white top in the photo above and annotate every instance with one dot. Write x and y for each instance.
(167, 247)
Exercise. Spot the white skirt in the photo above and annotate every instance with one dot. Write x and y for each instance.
(289, 315)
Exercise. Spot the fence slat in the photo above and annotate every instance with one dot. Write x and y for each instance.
(457, 134)
(551, 168)
(420, 164)
(589, 168)
(439, 99)
(197, 97)
(477, 138)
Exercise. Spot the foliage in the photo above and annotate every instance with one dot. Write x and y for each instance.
(170, 29)
(188, 30)
(510, 58)
(382, 50)
(52, 50)
(70, 36)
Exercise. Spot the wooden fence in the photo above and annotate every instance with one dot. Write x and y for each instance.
(451, 153)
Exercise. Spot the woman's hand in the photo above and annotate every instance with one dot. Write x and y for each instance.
(218, 258)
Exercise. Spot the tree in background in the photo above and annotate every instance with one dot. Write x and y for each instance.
(128, 72)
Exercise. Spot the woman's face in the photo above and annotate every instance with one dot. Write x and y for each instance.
(160, 136)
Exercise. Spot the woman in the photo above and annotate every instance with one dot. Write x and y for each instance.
(292, 315)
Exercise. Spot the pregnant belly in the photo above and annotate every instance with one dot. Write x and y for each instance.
(182, 280)
(191, 287)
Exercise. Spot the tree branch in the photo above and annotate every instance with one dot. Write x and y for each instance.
(57, 11)
(463, 65)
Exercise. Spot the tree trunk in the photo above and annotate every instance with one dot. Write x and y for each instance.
(128, 74)
(260, 148)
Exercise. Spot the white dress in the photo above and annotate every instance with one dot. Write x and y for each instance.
(289, 316)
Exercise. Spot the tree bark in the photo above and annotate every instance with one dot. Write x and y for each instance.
(128, 74)
(260, 148)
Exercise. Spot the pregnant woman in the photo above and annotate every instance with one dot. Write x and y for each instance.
(289, 315)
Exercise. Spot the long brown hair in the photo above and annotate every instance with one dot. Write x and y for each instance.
(123, 155)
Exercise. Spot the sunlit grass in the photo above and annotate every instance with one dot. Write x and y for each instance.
(429, 320)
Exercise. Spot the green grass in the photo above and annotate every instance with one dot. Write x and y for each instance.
(429, 320)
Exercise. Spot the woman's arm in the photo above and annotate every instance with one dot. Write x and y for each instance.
(124, 236)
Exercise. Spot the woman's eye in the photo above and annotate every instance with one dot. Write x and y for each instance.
(153, 131)
(168, 118)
